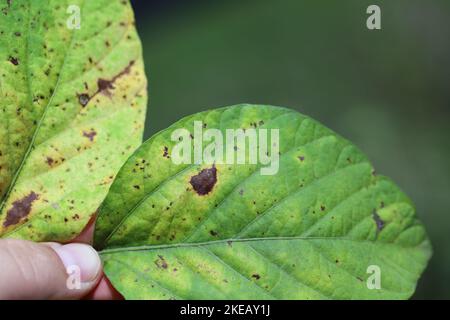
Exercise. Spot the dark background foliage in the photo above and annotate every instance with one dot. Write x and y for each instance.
(387, 91)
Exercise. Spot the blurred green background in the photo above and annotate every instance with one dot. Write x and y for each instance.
(388, 90)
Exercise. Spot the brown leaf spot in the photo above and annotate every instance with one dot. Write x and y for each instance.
(213, 233)
(14, 61)
(161, 263)
(204, 182)
(104, 86)
(256, 276)
(90, 135)
(166, 153)
(49, 161)
(83, 99)
(379, 223)
(20, 209)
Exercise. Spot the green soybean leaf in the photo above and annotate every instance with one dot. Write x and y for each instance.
(323, 226)
(72, 106)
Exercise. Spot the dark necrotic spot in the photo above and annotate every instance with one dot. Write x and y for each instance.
(378, 221)
(14, 61)
(213, 233)
(83, 99)
(104, 86)
(204, 182)
(161, 263)
(166, 153)
(90, 135)
(20, 209)
(256, 276)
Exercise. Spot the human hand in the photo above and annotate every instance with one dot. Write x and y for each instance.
(31, 270)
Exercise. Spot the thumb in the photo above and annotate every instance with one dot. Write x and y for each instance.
(31, 270)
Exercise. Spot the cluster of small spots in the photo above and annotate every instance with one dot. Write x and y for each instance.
(141, 166)
(161, 263)
(166, 152)
(256, 124)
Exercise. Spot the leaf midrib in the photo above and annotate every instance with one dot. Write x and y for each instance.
(234, 240)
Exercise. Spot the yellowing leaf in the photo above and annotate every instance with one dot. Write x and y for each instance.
(320, 228)
(72, 107)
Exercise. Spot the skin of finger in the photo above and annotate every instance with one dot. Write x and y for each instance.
(33, 271)
(104, 290)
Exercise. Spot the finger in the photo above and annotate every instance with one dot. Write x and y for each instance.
(39, 271)
(104, 291)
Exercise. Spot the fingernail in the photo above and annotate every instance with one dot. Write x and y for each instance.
(82, 256)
